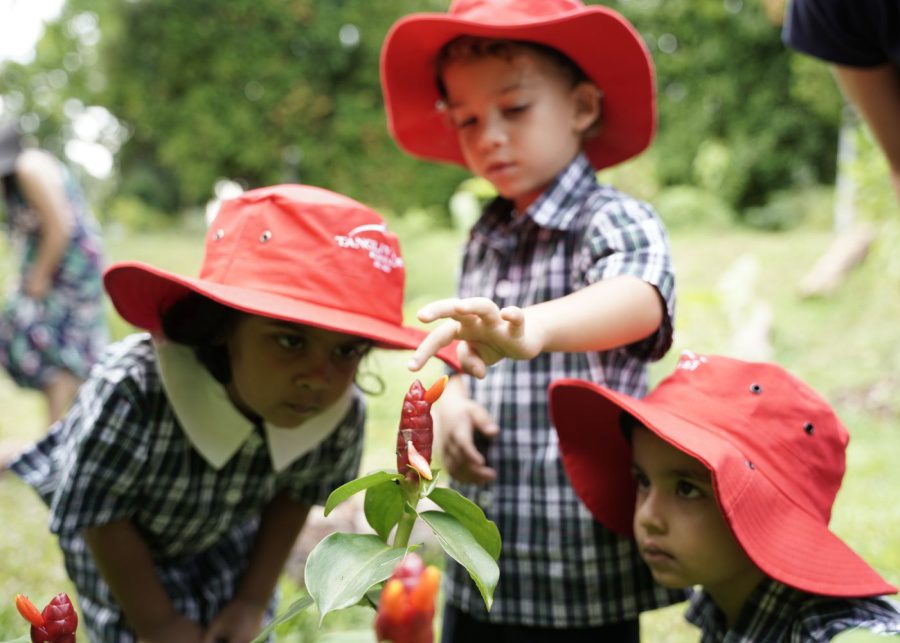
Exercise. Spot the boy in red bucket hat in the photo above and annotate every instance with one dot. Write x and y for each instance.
(725, 475)
(566, 276)
(181, 477)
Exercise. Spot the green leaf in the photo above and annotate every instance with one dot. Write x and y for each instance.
(296, 607)
(459, 543)
(342, 568)
(383, 507)
(471, 516)
(343, 492)
(24, 639)
(429, 485)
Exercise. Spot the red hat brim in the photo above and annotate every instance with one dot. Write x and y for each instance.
(141, 293)
(784, 541)
(601, 42)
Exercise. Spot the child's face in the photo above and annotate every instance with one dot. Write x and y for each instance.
(679, 528)
(287, 373)
(519, 121)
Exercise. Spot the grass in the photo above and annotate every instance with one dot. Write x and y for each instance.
(846, 346)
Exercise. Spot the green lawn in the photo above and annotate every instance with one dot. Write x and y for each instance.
(846, 346)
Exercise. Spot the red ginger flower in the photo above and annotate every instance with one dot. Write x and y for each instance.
(55, 624)
(406, 608)
(416, 432)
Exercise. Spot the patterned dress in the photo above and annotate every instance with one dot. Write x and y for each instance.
(66, 330)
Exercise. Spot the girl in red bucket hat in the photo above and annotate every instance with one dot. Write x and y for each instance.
(725, 475)
(181, 477)
(561, 274)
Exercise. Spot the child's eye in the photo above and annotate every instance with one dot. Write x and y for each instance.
(463, 123)
(687, 490)
(515, 110)
(643, 482)
(352, 352)
(290, 342)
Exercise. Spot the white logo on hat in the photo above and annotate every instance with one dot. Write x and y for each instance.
(690, 361)
(382, 254)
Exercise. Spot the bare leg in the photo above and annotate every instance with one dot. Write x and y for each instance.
(60, 391)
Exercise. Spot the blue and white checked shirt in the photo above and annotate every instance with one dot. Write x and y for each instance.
(776, 613)
(559, 568)
(120, 453)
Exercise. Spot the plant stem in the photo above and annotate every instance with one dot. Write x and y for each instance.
(404, 528)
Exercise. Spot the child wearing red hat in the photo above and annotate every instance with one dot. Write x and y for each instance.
(725, 475)
(181, 477)
(564, 275)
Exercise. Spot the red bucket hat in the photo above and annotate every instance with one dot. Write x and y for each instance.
(774, 447)
(599, 40)
(291, 252)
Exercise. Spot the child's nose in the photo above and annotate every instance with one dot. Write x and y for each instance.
(649, 514)
(314, 374)
(492, 134)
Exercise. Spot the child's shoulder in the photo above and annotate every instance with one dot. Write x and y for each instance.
(617, 206)
(131, 359)
(823, 617)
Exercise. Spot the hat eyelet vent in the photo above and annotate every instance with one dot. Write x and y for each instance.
(809, 428)
(756, 389)
(750, 465)
(265, 236)
(219, 234)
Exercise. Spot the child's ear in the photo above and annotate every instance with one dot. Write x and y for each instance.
(588, 106)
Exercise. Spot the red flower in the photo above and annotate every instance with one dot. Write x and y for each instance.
(416, 432)
(406, 608)
(55, 624)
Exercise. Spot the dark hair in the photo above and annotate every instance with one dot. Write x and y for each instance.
(627, 424)
(204, 325)
(464, 48)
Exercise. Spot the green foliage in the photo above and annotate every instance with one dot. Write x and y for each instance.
(723, 75)
(684, 205)
(134, 214)
(261, 92)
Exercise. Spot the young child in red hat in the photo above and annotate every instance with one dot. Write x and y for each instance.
(181, 477)
(725, 475)
(564, 275)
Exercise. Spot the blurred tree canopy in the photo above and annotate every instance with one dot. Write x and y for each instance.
(267, 91)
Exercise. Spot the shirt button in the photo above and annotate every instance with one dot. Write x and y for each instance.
(503, 289)
(233, 496)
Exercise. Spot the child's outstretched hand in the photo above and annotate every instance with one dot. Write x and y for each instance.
(486, 332)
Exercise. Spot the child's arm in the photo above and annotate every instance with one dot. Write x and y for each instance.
(125, 562)
(280, 524)
(607, 314)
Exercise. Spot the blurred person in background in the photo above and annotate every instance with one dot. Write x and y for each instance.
(861, 40)
(52, 324)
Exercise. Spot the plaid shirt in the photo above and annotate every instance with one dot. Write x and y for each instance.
(120, 454)
(776, 613)
(558, 568)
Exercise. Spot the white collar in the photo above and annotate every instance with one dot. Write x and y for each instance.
(214, 425)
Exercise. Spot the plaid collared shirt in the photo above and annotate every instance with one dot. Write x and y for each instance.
(558, 567)
(775, 613)
(120, 453)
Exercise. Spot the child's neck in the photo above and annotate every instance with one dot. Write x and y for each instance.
(731, 595)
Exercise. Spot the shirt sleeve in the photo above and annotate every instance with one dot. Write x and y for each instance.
(102, 457)
(626, 237)
(844, 32)
(336, 461)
